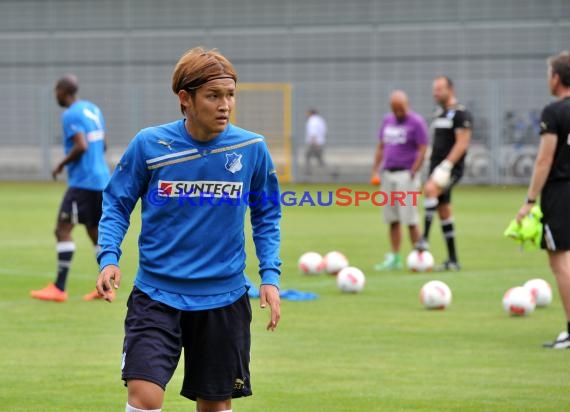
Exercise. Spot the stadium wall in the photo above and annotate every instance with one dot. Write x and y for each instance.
(340, 57)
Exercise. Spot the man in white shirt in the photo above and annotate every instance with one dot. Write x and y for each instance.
(315, 138)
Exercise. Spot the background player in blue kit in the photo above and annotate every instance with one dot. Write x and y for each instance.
(190, 289)
(88, 174)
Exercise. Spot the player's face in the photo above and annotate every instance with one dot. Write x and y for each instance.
(441, 91)
(552, 81)
(60, 97)
(209, 111)
(399, 109)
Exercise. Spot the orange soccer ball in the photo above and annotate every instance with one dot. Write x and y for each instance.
(375, 180)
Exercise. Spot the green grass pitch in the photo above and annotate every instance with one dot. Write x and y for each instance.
(377, 351)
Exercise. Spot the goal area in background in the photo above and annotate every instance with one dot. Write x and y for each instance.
(265, 108)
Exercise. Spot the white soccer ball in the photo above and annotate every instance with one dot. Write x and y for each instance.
(311, 263)
(435, 295)
(541, 291)
(350, 280)
(420, 261)
(335, 262)
(518, 301)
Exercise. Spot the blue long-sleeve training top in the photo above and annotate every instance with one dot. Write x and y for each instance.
(194, 197)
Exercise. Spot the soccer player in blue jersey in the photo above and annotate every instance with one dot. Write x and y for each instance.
(88, 174)
(195, 178)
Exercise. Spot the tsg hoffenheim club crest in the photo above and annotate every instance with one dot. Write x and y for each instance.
(233, 162)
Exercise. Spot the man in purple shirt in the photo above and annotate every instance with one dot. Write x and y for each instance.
(400, 151)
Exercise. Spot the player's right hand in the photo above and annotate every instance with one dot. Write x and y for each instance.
(109, 279)
(375, 179)
(56, 171)
(269, 295)
(441, 175)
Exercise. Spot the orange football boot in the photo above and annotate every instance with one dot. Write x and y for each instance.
(94, 295)
(50, 292)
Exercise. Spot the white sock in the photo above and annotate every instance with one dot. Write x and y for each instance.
(431, 202)
(129, 408)
(66, 246)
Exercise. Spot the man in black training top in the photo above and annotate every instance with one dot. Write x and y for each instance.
(551, 179)
(451, 135)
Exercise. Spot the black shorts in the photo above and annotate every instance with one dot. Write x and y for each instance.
(81, 206)
(555, 205)
(456, 175)
(216, 346)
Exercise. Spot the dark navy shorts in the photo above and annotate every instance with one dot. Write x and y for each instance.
(216, 346)
(81, 206)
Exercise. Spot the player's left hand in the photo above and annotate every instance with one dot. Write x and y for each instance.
(523, 211)
(269, 295)
(109, 278)
(375, 179)
(441, 175)
(57, 170)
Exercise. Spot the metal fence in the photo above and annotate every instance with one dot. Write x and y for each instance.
(341, 57)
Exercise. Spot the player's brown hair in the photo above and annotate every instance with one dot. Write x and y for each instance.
(560, 65)
(198, 66)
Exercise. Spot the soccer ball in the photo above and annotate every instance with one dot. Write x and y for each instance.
(541, 291)
(435, 295)
(350, 280)
(311, 263)
(518, 301)
(335, 262)
(420, 261)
